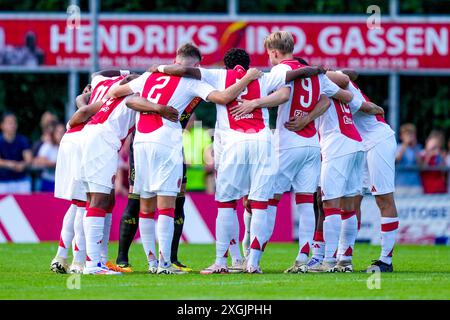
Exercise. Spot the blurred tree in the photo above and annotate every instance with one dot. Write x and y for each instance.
(425, 101)
(28, 96)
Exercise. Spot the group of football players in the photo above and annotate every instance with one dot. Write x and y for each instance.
(330, 145)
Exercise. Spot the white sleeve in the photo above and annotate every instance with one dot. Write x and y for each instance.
(212, 76)
(327, 87)
(355, 104)
(357, 100)
(276, 78)
(200, 89)
(137, 85)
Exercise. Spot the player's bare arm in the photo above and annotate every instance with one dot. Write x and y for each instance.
(371, 108)
(82, 100)
(178, 70)
(140, 104)
(343, 95)
(352, 74)
(342, 80)
(272, 100)
(229, 94)
(298, 123)
(304, 72)
(83, 114)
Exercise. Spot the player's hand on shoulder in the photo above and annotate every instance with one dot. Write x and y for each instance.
(254, 73)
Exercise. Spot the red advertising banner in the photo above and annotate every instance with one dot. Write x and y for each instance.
(136, 42)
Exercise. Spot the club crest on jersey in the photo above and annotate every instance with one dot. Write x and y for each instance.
(104, 109)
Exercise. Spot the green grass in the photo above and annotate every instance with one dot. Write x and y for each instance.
(422, 272)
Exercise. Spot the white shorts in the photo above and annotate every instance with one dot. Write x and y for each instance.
(217, 147)
(299, 170)
(67, 168)
(159, 169)
(99, 163)
(342, 176)
(246, 168)
(379, 167)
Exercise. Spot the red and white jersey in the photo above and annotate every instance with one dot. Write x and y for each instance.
(115, 121)
(167, 90)
(338, 134)
(244, 127)
(100, 87)
(373, 129)
(304, 95)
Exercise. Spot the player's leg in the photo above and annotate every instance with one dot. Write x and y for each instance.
(349, 226)
(129, 224)
(349, 232)
(332, 183)
(389, 227)
(318, 247)
(247, 222)
(79, 247)
(165, 228)
(232, 184)
(130, 217)
(107, 230)
(381, 164)
(94, 225)
(147, 229)
(179, 224)
(59, 263)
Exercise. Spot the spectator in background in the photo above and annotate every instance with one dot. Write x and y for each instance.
(408, 179)
(15, 157)
(47, 124)
(433, 157)
(447, 163)
(196, 141)
(46, 158)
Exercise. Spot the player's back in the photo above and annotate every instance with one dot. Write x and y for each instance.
(250, 124)
(304, 95)
(338, 134)
(179, 93)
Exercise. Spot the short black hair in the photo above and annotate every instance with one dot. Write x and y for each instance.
(236, 56)
(189, 50)
(7, 114)
(302, 61)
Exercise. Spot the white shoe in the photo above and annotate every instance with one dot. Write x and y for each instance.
(76, 268)
(153, 268)
(324, 267)
(344, 266)
(238, 267)
(100, 269)
(59, 265)
(253, 269)
(298, 267)
(215, 269)
(169, 270)
(313, 263)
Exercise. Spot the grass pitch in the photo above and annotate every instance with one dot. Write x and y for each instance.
(421, 272)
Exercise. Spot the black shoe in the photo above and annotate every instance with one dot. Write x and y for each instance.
(379, 266)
